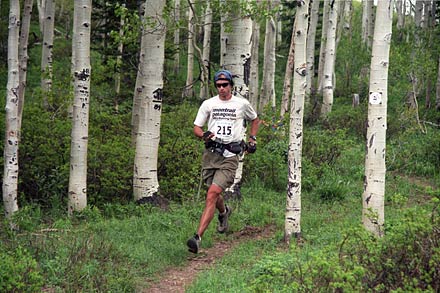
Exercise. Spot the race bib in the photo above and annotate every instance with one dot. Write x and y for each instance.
(224, 129)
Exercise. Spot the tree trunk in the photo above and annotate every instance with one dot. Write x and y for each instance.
(149, 90)
(437, 92)
(371, 21)
(46, 54)
(41, 4)
(237, 59)
(12, 132)
(400, 14)
(176, 68)
(323, 43)
(267, 93)
(418, 13)
(375, 169)
(293, 203)
(204, 88)
(367, 22)
(119, 60)
(189, 89)
(80, 122)
(288, 76)
(311, 40)
(253, 76)
(23, 56)
(330, 57)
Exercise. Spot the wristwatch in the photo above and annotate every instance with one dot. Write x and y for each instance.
(253, 137)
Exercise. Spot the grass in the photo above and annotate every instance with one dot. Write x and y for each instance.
(118, 247)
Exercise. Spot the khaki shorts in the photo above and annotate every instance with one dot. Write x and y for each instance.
(218, 170)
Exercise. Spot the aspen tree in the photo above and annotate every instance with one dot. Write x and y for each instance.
(288, 76)
(189, 89)
(149, 91)
(330, 58)
(267, 94)
(23, 56)
(207, 26)
(322, 47)
(119, 57)
(311, 40)
(375, 169)
(254, 71)
(80, 121)
(236, 59)
(12, 132)
(437, 91)
(41, 4)
(176, 67)
(292, 225)
(400, 9)
(47, 48)
(371, 21)
(418, 13)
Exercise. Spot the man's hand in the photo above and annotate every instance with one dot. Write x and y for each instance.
(251, 147)
(207, 135)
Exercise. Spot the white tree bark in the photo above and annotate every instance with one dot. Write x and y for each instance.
(176, 67)
(400, 10)
(41, 10)
(311, 40)
(418, 13)
(254, 76)
(330, 58)
(119, 58)
(23, 56)
(47, 48)
(207, 26)
(189, 89)
(375, 169)
(149, 91)
(80, 121)
(288, 76)
(293, 203)
(367, 22)
(12, 132)
(267, 94)
(322, 47)
(236, 59)
(437, 92)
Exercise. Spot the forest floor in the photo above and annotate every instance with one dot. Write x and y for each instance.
(177, 279)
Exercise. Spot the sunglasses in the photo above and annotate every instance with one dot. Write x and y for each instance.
(219, 85)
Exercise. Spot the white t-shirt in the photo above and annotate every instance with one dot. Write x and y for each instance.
(225, 118)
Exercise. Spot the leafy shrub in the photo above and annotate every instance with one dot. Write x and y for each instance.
(331, 186)
(19, 271)
(44, 156)
(406, 259)
(180, 153)
(323, 147)
(415, 153)
(352, 120)
(268, 163)
(110, 157)
(321, 273)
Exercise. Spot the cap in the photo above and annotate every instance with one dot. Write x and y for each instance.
(227, 75)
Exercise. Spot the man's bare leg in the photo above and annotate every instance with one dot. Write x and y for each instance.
(213, 200)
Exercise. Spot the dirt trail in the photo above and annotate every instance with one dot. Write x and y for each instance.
(177, 279)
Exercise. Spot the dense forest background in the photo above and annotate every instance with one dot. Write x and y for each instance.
(84, 252)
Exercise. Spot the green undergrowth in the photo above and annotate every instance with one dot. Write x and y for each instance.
(118, 247)
(337, 254)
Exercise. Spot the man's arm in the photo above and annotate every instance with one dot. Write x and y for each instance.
(254, 127)
(198, 131)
